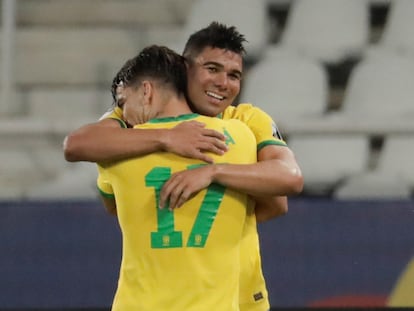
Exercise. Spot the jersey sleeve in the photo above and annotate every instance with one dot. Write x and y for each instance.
(115, 114)
(260, 123)
(103, 184)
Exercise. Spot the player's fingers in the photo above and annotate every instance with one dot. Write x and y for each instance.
(197, 154)
(193, 123)
(213, 146)
(165, 192)
(184, 197)
(213, 133)
(175, 197)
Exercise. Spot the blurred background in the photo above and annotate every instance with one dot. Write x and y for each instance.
(337, 76)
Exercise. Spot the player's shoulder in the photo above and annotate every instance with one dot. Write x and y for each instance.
(243, 111)
(114, 113)
(220, 122)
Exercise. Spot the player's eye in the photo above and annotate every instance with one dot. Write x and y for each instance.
(212, 69)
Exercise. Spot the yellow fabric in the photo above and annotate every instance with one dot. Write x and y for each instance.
(165, 267)
(253, 292)
(403, 292)
(259, 122)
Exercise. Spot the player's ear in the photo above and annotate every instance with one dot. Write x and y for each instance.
(148, 90)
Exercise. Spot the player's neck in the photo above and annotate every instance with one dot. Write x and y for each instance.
(175, 107)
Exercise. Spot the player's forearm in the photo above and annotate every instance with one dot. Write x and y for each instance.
(266, 178)
(267, 208)
(105, 144)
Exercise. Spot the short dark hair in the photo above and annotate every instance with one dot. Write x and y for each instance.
(215, 35)
(155, 62)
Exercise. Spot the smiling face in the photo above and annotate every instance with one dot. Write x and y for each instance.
(214, 77)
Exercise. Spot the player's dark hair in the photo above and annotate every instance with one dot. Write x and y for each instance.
(154, 62)
(215, 35)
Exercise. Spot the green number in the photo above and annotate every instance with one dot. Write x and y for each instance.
(166, 236)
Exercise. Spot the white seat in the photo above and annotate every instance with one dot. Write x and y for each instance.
(380, 87)
(77, 182)
(329, 30)
(288, 87)
(326, 160)
(397, 157)
(279, 3)
(393, 176)
(68, 104)
(249, 17)
(98, 12)
(18, 171)
(397, 34)
(72, 56)
(373, 185)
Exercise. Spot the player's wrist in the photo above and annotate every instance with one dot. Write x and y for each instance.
(216, 171)
(165, 139)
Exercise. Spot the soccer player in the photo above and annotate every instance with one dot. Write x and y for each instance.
(215, 66)
(185, 259)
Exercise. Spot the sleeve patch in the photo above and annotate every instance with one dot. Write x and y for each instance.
(275, 131)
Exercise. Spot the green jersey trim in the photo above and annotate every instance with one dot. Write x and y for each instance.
(183, 117)
(270, 142)
(106, 195)
(121, 123)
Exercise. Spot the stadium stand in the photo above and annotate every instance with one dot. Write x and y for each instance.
(68, 51)
(391, 177)
(250, 17)
(287, 86)
(330, 31)
(327, 160)
(397, 35)
(347, 242)
(381, 87)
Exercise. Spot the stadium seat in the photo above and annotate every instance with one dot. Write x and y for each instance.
(392, 177)
(288, 87)
(250, 18)
(76, 182)
(397, 35)
(72, 56)
(330, 31)
(18, 171)
(373, 185)
(326, 160)
(397, 157)
(68, 104)
(380, 88)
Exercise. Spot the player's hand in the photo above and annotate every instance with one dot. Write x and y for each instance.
(191, 139)
(184, 185)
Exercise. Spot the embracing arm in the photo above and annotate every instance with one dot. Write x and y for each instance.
(270, 207)
(277, 174)
(106, 141)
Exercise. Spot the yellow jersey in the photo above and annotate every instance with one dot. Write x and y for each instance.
(253, 291)
(186, 259)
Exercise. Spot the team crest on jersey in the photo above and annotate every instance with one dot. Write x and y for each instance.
(276, 132)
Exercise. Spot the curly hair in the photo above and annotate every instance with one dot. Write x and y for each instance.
(155, 62)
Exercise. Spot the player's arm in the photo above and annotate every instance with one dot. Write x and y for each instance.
(279, 175)
(107, 141)
(267, 208)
